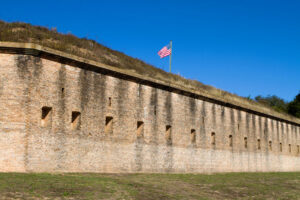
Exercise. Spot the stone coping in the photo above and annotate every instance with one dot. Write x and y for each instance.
(221, 99)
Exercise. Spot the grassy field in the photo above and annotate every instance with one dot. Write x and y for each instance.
(150, 186)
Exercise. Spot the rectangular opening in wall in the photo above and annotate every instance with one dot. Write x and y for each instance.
(298, 149)
(245, 142)
(193, 136)
(109, 101)
(230, 141)
(76, 120)
(140, 129)
(290, 148)
(280, 147)
(46, 118)
(108, 125)
(270, 145)
(62, 92)
(168, 134)
(258, 144)
(213, 138)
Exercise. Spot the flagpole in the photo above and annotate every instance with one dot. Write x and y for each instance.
(170, 55)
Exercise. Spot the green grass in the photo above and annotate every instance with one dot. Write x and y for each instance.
(150, 186)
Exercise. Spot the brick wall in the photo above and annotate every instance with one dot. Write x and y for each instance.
(59, 117)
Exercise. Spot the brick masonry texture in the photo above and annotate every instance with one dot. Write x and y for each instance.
(58, 117)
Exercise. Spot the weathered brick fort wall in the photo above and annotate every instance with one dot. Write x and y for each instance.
(63, 114)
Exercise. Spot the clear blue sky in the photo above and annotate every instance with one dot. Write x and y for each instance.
(247, 47)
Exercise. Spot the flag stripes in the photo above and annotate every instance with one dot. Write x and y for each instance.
(165, 51)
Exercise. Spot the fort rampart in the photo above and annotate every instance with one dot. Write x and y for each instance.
(62, 113)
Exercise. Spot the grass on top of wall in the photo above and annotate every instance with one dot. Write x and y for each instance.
(150, 186)
(83, 47)
(90, 49)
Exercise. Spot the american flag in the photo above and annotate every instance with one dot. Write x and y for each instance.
(165, 51)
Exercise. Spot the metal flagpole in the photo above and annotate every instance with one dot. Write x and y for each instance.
(171, 55)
